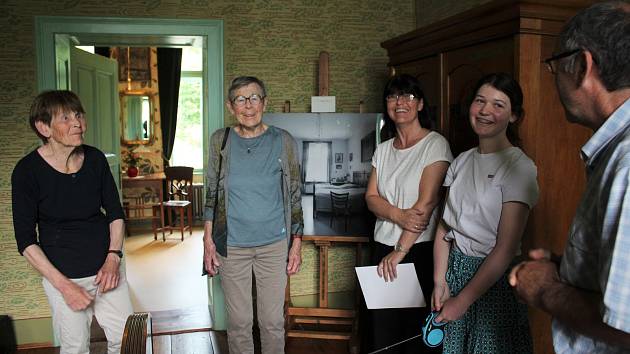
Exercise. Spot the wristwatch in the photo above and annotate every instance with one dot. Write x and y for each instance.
(117, 252)
(400, 248)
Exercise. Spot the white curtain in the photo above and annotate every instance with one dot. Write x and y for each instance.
(317, 162)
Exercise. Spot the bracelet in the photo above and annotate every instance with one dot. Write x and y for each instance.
(117, 252)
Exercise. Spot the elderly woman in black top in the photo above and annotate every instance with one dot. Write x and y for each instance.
(59, 190)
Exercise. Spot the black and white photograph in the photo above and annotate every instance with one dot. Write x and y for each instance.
(333, 195)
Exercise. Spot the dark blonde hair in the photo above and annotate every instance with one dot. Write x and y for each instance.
(49, 103)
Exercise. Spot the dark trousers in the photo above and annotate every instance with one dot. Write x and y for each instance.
(389, 326)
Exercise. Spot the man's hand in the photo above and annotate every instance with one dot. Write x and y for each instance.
(295, 256)
(411, 220)
(76, 297)
(108, 276)
(387, 267)
(531, 279)
(210, 258)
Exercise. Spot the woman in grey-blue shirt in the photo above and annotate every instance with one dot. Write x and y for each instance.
(253, 217)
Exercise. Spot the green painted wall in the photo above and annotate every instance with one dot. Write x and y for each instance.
(278, 41)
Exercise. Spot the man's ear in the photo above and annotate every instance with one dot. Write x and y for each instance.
(583, 66)
(587, 74)
(43, 128)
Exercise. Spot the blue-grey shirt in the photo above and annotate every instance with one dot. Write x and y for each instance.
(255, 206)
(596, 253)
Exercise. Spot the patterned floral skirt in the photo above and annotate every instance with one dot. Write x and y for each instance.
(495, 323)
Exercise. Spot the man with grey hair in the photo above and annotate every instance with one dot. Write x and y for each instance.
(587, 292)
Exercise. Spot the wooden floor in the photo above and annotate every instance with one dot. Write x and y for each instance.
(199, 342)
(165, 275)
(187, 331)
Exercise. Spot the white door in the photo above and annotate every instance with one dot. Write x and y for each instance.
(94, 79)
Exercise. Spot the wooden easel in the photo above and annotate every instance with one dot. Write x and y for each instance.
(344, 319)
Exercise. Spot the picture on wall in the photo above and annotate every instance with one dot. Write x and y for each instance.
(138, 62)
(323, 139)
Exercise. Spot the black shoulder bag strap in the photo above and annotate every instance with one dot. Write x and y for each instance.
(216, 189)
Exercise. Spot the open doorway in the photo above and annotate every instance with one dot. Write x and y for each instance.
(150, 33)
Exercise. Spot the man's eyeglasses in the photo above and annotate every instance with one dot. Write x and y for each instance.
(405, 97)
(549, 62)
(254, 99)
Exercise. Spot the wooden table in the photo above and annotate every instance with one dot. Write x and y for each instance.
(154, 181)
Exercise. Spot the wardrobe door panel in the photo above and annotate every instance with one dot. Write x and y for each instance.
(462, 69)
(427, 70)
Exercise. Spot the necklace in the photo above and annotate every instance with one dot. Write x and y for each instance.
(250, 144)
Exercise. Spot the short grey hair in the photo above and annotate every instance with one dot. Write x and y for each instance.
(603, 29)
(242, 81)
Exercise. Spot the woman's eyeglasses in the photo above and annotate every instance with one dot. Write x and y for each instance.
(405, 97)
(254, 100)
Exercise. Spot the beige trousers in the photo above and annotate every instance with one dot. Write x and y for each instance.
(269, 266)
(73, 327)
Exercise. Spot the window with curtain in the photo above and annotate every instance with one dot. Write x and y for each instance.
(188, 146)
(317, 162)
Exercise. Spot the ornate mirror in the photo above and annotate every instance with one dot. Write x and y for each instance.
(136, 117)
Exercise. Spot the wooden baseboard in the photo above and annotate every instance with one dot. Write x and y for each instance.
(35, 345)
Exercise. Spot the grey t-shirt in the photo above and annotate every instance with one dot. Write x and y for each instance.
(255, 211)
(479, 184)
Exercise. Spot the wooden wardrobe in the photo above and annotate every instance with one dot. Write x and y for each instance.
(449, 56)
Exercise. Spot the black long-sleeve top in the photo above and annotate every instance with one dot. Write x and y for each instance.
(62, 212)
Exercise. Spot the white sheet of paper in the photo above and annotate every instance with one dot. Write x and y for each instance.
(404, 291)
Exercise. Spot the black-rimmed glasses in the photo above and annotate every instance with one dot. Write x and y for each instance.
(405, 97)
(254, 100)
(549, 62)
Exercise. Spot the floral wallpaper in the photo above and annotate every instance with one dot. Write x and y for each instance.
(276, 40)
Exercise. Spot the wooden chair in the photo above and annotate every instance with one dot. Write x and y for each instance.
(137, 210)
(179, 198)
(340, 206)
